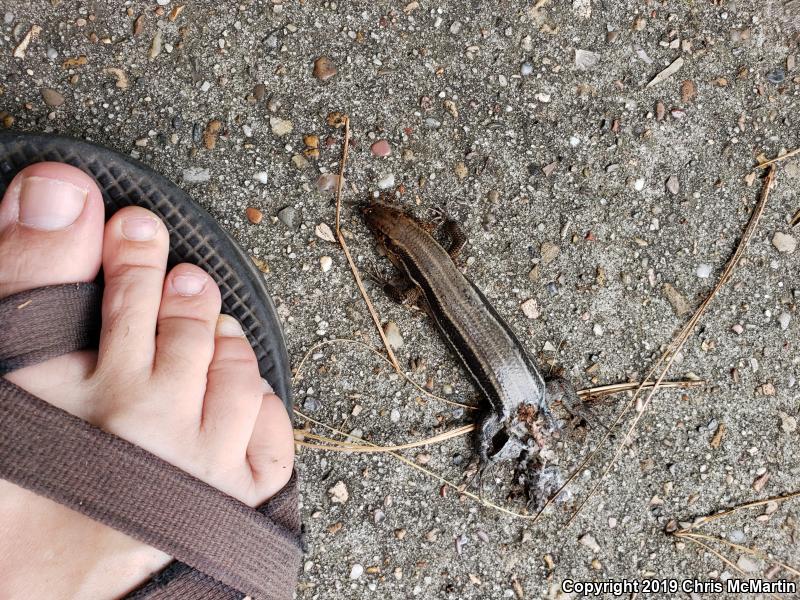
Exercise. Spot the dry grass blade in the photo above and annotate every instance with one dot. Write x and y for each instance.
(702, 521)
(340, 446)
(617, 388)
(380, 355)
(339, 182)
(428, 472)
(778, 159)
(674, 347)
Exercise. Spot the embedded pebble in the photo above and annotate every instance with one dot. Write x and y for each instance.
(52, 98)
(325, 263)
(638, 185)
(280, 127)
(783, 319)
(549, 252)
(394, 416)
(530, 308)
(381, 148)
(196, 175)
(784, 242)
(386, 182)
(261, 177)
(704, 271)
(679, 303)
(254, 215)
(287, 216)
(324, 68)
(526, 69)
(326, 182)
(461, 170)
(673, 185)
(776, 76)
(788, 422)
(737, 536)
(392, 333)
(597, 329)
(339, 493)
(357, 571)
(747, 564)
(324, 232)
(586, 59)
(591, 543)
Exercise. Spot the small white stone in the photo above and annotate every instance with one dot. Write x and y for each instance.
(597, 330)
(574, 141)
(357, 571)
(704, 270)
(392, 333)
(784, 242)
(747, 564)
(248, 131)
(339, 493)
(591, 543)
(325, 263)
(386, 182)
(530, 308)
(280, 127)
(394, 416)
(586, 59)
(638, 185)
(526, 69)
(205, 86)
(544, 98)
(261, 177)
(196, 175)
(784, 318)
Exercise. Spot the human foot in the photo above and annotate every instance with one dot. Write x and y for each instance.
(170, 376)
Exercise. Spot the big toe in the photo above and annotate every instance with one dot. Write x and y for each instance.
(51, 228)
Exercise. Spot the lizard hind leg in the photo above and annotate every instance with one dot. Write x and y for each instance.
(560, 388)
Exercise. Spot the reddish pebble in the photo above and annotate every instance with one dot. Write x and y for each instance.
(381, 148)
(254, 215)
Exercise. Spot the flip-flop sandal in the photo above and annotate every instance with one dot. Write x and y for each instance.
(223, 548)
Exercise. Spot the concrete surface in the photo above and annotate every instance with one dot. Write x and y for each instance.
(550, 153)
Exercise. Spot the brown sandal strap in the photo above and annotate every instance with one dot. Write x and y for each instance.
(46, 322)
(57, 455)
(180, 582)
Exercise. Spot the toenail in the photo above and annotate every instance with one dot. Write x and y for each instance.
(139, 229)
(189, 284)
(227, 326)
(266, 388)
(49, 204)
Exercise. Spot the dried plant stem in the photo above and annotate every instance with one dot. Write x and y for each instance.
(428, 472)
(340, 446)
(778, 159)
(702, 521)
(339, 182)
(675, 346)
(380, 355)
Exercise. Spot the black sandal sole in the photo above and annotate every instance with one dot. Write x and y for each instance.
(195, 237)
